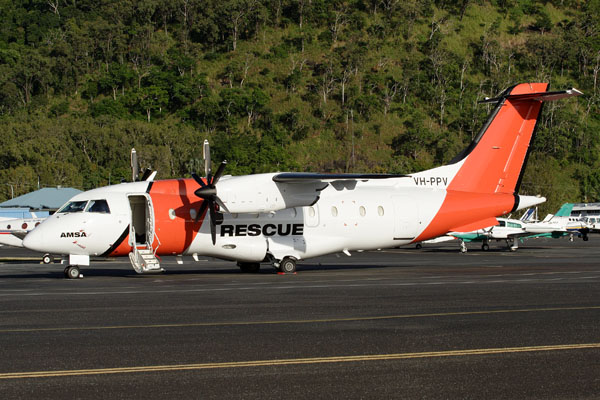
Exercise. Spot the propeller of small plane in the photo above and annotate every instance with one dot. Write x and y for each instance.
(208, 191)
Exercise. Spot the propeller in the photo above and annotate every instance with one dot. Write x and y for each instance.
(208, 191)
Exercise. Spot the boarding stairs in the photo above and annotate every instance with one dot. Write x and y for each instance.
(143, 259)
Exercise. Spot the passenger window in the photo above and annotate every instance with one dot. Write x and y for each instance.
(73, 207)
(98, 206)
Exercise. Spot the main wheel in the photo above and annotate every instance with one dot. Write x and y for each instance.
(287, 265)
(485, 247)
(47, 259)
(418, 246)
(586, 238)
(249, 267)
(72, 272)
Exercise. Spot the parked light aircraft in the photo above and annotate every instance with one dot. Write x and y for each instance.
(13, 230)
(285, 217)
(560, 224)
(511, 230)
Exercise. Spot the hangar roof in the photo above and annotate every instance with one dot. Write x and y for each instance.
(43, 199)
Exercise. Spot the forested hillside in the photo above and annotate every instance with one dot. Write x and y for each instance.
(307, 85)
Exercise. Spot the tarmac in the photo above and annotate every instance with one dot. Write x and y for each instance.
(398, 323)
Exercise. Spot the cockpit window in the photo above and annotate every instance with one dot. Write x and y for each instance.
(73, 207)
(98, 206)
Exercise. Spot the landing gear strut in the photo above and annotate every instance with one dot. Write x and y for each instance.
(72, 272)
(463, 246)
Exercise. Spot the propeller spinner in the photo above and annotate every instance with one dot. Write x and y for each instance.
(208, 191)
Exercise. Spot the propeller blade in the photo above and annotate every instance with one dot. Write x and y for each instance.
(213, 226)
(201, 210)
(198, 180)
(219, 172)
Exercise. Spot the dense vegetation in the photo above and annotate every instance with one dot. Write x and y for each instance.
(309, 85)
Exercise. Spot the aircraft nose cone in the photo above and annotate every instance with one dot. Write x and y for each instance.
(34, 240)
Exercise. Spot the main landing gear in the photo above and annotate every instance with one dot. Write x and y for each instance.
(287, 265)
(72, 272)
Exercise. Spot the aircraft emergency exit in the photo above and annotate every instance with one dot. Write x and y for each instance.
(285, 217)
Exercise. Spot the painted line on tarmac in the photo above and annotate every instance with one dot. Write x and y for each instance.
(289, 286)
(296, 361)
(302, 321)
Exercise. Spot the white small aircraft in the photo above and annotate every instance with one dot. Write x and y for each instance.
(560, 224)
(284, 217)
(13, 230)
(511, 230)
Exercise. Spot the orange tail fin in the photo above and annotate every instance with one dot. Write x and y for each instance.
(495, 160)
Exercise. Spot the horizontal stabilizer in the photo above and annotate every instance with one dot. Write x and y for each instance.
(539, 96)
(299, 177)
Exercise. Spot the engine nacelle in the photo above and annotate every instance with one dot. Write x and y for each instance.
(259, 193)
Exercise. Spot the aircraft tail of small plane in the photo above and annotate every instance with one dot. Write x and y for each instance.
(565, 210)
(528, 215)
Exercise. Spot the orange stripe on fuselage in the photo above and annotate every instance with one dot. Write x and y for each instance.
(123, 249)
(462, 208)
(176, 234)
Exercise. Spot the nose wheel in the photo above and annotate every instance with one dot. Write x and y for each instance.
(72, 272)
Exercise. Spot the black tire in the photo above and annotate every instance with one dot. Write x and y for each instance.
(419, 246)
(586, 238)
(47, 259)
(249, 267)
(485, 247)
(72, 272)
(287, 265)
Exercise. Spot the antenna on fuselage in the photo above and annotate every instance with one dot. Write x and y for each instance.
(134, 166)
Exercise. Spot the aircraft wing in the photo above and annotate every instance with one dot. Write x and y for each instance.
(304, 177)
(20, 234)
(520, 235)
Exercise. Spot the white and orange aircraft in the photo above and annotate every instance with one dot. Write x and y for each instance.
(285, 217)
